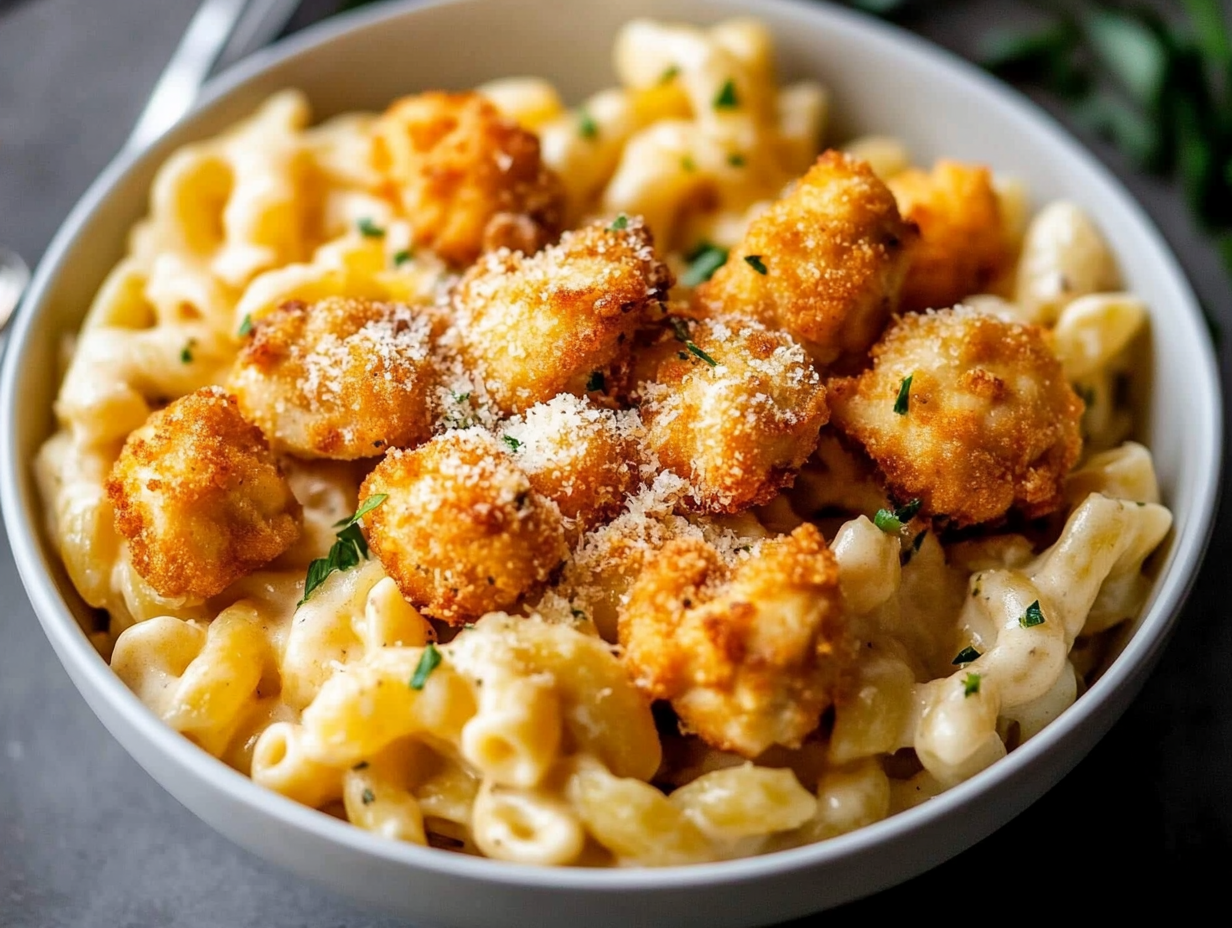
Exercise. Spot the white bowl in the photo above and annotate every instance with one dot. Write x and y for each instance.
(882, 80)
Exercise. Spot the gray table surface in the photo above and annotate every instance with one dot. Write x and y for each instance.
(88, 839)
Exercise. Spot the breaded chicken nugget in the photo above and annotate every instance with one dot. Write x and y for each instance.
(340, 378)
(749, 657)
(582, 457)
(966, 412)
(537, 326)
(963, 245)
(462, 531)
(200, 498)
(825, 262)
(732, 407)
(466, 177)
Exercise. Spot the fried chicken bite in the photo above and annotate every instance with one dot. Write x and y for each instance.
(964, 246)
(537, 326)
(339, 378)
(200, 498)
(733, 407)
(468, 178)
(582, 457)
(462, 531)
(825, 262)
(986, 422)
(749, 656)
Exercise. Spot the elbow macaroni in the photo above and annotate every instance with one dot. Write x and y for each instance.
(522, 736)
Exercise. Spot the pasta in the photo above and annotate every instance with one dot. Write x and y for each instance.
(633, 483)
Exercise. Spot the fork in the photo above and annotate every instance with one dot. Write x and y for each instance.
(220, 33)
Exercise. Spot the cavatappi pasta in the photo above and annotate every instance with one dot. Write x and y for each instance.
(630, 483)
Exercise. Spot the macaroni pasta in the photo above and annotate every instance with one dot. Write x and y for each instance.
(627, 483)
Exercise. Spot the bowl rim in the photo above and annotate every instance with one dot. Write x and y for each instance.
(86, 666)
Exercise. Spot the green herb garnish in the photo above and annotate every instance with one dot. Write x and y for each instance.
(428, 662)
(587, 127)
(1032, 617)
(756, 263)
(971, 684)
(349, 550)
(966, 656)
(186, 354)
(596, 382)
(403, 256)
(904, 395)
(669, 74)
(703, 260)
(619, 224)
(736, 160)
(512, 442)
(245, 327)
(687, 164)
(891, 521)
(369, 229)
(368, 797)
(681, 330)
(726, 98)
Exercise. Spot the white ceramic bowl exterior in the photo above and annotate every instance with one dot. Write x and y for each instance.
(882, 80)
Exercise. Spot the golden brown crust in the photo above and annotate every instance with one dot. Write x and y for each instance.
(963, 243)
(991, 422)
(835, 251)
(466, 176)
(340, 378)
(749, 656)
(739, 429)
(462, 531)
(200, 498)
(537, 326)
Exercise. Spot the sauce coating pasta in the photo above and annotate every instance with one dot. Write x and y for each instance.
(643, 482)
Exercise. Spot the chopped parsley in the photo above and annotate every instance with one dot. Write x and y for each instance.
(736, 160)
(756, 263)
(693, 349)
(245, 327)
(460, 397)
(596, 382)
(578, 614)
(403, 256)
(619, 224)
(669, 74)
(186, 354)
(703, 260)
(904, 396)
(681, 328)
(891, 521)
(971, 684)
(512, 442)
(368, 797)
(688, 164)
(587, 127)
(1032, 617)
(428, 662)
(726, 98)
(369, 229)
(966, 656)
(347, 551)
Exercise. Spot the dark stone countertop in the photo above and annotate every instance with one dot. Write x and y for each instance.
(88, 839)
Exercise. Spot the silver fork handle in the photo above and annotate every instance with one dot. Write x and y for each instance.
(221, 33)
